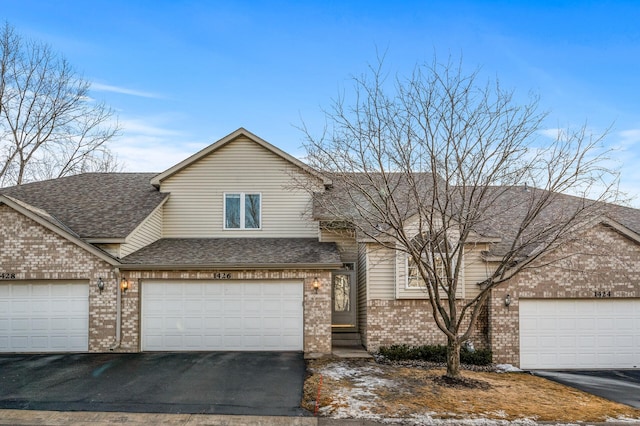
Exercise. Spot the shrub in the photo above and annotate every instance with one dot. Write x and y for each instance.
(434, 353)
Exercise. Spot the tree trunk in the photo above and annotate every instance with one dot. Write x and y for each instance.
(453, 358)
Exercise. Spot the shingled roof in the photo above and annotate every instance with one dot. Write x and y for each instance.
(94, 205)
(500, 220)
(237, 252)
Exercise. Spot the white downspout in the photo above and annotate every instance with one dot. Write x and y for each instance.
(116, 343)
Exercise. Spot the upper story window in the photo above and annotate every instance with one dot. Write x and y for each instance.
(242, 211)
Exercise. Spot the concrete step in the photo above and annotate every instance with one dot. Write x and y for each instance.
(346, 339)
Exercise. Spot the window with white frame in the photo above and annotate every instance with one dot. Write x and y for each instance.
(414, 279)
(433, 251)
(242, 210)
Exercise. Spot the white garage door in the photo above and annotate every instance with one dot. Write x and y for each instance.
(195, 315)
(574, 334)
(44, 317)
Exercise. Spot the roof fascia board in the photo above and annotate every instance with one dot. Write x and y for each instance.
(56, 229)
(156, 180)
(105, 240)
(230, 267)
(621, 229)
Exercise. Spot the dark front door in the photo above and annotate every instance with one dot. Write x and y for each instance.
(343, 301)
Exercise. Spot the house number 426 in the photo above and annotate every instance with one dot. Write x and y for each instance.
(602, 293)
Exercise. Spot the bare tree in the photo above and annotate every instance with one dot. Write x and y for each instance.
(49, 126)
(435, 165)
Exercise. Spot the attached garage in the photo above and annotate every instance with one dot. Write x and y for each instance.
(579, 333)
(44, 316)
(222, 315)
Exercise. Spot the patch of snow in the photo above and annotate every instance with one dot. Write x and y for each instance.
(507, 368)
(623, 419)
(426, 419)
(355, 402)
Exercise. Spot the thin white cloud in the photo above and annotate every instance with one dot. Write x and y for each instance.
(629, 137)
(550, 133)
(99, 87)
(150, 144)
(144, 127)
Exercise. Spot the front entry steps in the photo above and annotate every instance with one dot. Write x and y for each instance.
(348, 345)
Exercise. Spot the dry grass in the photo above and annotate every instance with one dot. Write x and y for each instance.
(402, 392)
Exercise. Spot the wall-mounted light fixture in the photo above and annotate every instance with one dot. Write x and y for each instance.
(507, 300)
(316, 284)
(100, 284)
(124, 284)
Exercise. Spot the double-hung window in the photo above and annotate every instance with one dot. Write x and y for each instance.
(242, 210)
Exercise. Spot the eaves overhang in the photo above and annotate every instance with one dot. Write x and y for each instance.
(227, 266)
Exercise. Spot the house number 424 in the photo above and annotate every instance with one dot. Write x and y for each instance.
(602, 293)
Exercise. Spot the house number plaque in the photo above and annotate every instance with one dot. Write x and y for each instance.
(602, 293)
(7, 276)
(222, 276)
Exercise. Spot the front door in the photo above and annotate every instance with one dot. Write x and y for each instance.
(343, 301)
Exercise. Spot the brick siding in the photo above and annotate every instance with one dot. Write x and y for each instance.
(33, 252)
(603, 259)
(410, 322)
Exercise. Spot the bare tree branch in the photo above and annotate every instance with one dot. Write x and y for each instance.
(434, 164)
(49, 127)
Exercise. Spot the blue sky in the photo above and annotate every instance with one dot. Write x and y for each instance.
(182, 74)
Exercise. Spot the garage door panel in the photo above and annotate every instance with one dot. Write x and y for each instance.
(578, 333)
(233, 315)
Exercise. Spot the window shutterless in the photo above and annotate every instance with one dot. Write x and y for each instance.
(242, 210)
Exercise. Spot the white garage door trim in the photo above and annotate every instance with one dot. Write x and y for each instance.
(579, 333)
(44, 316)
(222, 315)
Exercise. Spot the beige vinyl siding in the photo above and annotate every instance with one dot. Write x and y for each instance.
(112, 249)
(195, 208)
(381, 272)
(149, 231)
(346, 242)
(402, 292)
(476, 269)
(362, 290)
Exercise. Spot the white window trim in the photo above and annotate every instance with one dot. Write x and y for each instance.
(407, 275)
(403, 291)
(242, 211)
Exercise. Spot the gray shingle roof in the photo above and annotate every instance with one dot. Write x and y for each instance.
(501, 219)
(236, 252)
(94, 205)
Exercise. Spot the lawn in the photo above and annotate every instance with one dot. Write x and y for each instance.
(365, 389)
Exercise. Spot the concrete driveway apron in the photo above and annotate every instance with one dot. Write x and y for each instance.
(243, 383)
(615, 385)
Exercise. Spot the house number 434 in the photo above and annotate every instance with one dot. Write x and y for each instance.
(602, 293)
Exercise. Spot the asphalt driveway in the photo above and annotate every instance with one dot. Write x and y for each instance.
(244, 383)
(615, 385)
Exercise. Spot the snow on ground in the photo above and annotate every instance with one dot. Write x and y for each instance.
(356, 402)
(507, 368)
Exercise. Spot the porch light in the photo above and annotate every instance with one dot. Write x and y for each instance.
(507, 300)
(124, 284)
(316, 284)
(100, 284)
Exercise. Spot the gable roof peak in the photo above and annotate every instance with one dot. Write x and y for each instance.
(157, 180)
